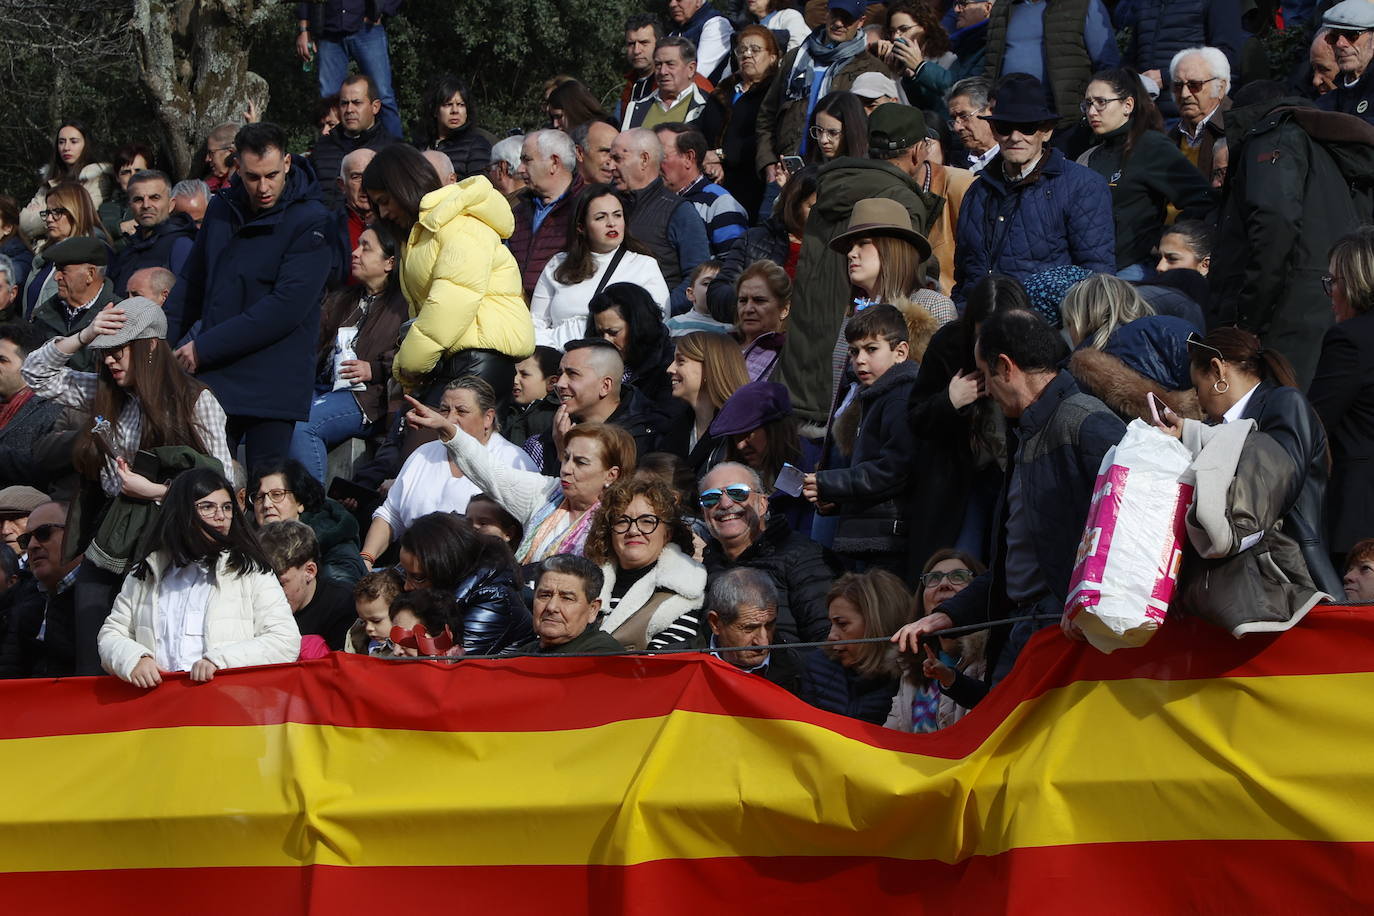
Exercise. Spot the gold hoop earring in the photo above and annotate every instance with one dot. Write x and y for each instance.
(1221, 386)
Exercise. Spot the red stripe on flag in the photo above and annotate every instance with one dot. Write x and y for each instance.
(550, 694)
(1252, 877)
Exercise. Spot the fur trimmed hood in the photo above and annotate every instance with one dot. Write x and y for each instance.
(1123, 389)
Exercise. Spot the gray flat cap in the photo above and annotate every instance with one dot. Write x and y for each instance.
(143, 318)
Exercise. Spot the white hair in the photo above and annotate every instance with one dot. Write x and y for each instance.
(191, 187)
(1216, 61)
(508, 151)
(7, 268)
(551, 143)
(346, 164)
(644, 140)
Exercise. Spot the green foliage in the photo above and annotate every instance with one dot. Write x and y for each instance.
(505, 50)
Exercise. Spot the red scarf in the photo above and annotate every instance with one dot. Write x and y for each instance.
(10, 409)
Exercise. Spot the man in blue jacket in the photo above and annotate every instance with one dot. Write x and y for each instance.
(1056, 439)
(249, 295)
(1031, 209)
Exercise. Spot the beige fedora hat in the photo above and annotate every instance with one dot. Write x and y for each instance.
(880, 216)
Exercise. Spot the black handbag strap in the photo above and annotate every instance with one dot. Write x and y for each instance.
(610, 269)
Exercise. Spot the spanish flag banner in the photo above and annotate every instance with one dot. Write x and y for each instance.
(1196, 774)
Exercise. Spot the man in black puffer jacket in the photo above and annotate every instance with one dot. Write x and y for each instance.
(745, 536)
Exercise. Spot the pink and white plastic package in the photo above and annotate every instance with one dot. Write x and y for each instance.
(1127, 565)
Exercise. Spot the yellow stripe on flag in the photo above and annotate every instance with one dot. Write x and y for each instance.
(1091, 762)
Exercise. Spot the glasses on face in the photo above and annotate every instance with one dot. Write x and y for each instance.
(418, 580)
(1350, 35)
(750, 50)
(955, 577)
(825, 133)
(207, 509)
(1194, 86)
(1329, 282)
(960, 4)
(272, 496)
(644, 524)
(1098, 104)
(737, 492)
(964, 117)
(1196, 341)
(42, 533)
(1007, 128)
(54, 213)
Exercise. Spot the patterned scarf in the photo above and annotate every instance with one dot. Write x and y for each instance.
(540, 530)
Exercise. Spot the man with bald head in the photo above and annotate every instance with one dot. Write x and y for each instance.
(443, 166)
(153, 283)
(734, 504)
(590, 390)
(357, 210)
(669, 225)
(593, 141)
(1322, 57)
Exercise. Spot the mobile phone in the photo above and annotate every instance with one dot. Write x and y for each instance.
(1158, 409)
(789, 480)
(793, 164)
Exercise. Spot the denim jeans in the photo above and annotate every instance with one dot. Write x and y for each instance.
(334, 418)
(1137, 273)
(369, 48)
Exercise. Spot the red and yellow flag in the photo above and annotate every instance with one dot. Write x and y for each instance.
(1197, 774)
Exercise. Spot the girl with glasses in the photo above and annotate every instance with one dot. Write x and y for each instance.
(205, 599)
(922, 704)
(74, 158)
(653, 588)
(839, 127)
(284, 491)
(1147, 173)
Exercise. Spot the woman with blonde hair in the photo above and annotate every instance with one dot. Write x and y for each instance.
(68, 213)
(706, 369)
(859, 681)
(1124, 351)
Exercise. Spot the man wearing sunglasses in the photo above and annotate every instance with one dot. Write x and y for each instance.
(1031, 209)
(735, 507)
(1199, 79)
(1349, 29)
(47, 644)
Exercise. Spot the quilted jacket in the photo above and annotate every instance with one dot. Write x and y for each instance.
(1061, 214)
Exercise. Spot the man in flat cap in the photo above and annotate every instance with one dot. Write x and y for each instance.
(82, 291)
(1349, 28)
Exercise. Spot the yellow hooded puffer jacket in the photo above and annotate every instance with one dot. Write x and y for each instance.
(462, 284)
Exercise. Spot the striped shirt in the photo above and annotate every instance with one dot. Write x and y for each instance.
(725, 219)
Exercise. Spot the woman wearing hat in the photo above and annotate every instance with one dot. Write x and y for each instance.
(1146, 171)
(884, 255)
(144, 412)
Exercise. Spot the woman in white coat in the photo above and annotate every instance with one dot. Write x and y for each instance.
(600, 252)
(204, 599)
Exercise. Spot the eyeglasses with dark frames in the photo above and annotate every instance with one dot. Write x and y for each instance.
(644, 524)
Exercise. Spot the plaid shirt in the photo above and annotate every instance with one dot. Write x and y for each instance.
(46, 371)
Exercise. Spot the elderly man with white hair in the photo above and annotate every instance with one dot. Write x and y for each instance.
(1200, 78)
(548, 166)
(1349, 29)
(505, 164)
(668, 225)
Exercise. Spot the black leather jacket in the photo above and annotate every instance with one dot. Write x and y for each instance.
(494, 616)
(1285, 415)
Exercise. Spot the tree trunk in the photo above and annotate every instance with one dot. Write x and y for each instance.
(193, 61)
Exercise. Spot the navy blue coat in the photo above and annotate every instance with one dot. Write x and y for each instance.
(1060, 216)
(250, 295)
(828, 685)
(1157, 347)
(168, 246)
(21, 257)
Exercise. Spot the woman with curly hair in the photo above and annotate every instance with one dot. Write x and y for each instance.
(654, 590)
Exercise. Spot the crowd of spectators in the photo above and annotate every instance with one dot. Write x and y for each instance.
(802, 348)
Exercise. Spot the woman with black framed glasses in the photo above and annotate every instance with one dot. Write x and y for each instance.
(1146, 172)
(653, 589)
(204, 599)
(938, 689)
